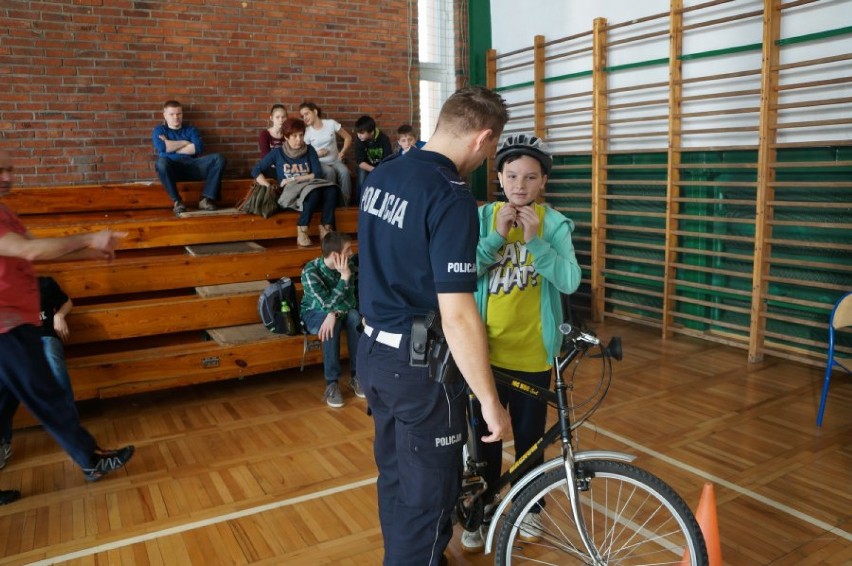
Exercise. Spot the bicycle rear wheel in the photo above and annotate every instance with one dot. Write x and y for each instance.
(632, 518)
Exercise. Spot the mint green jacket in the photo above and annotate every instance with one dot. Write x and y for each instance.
(554, 260)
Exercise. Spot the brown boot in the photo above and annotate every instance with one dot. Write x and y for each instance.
(302, 238)
(325, 229)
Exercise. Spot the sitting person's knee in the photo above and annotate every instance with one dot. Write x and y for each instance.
(353, 316)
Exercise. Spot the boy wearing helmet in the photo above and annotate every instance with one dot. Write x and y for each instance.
(525, 260)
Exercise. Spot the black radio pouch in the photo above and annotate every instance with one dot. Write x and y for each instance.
(428, 348)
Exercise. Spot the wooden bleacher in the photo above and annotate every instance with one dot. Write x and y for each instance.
(159, 316)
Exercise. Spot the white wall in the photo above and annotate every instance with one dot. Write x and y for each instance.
(515, 24)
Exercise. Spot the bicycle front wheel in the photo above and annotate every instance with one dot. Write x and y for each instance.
(631, 516)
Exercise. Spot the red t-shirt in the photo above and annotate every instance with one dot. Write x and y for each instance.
(19, 302)
(267, 143)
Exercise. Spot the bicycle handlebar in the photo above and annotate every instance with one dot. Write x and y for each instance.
(576, 334)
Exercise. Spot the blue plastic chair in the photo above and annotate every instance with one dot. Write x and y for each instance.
(841, 317)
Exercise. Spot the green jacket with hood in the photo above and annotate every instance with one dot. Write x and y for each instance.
(553, 258)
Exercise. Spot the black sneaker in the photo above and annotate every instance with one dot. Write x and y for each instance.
(332, 395)
(206, 204)
(356, 387)
(107, 461)
(9, 496)
(179, 207)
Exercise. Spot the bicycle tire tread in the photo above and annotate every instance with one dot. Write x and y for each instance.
(553, 478)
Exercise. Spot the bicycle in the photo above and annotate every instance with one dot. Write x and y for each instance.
(595, 506)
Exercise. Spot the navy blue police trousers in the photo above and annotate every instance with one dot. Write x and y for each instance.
(419, 434)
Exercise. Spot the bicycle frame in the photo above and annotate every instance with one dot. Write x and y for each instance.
(562, 428)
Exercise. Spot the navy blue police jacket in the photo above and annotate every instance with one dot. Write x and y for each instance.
(417, 236)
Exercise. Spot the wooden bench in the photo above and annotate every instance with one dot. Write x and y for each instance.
(178, 305)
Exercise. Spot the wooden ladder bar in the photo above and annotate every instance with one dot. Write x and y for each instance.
(599, 170)
(766, 156)
(673, 169)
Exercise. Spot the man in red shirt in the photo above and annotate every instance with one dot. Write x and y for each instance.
(25, 375)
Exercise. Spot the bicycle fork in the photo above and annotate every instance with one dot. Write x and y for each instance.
(574, 494)
(573, 480)
(557, 462)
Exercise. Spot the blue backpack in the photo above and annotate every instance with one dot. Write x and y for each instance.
(279, 308)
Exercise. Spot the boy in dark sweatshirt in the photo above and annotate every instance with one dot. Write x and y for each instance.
(371, 146)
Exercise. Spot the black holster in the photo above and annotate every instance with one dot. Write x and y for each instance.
(428, 348)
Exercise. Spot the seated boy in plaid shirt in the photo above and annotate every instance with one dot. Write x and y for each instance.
(329, 306)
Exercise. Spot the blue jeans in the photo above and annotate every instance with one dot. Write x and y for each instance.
(55, 354)
(207, 168)
(324, 198)
(25, 377)
(362, 178)
(331, 347)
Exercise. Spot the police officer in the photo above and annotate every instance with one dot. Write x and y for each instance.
(417, 237)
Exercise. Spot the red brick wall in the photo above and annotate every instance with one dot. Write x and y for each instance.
(84, 80)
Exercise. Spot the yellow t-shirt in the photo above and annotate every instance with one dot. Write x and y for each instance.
(514, 305)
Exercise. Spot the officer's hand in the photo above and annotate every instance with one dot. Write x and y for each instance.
(497, 419)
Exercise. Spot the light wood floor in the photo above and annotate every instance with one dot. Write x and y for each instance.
(260, 471)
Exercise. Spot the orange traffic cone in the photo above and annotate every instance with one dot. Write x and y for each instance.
(706, 517)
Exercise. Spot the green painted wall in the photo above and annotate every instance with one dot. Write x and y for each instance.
(479, 32)
(733, 264)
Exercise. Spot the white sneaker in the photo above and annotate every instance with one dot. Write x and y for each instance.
(471, 541)
(530, 528)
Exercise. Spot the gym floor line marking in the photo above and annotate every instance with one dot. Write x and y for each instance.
(202, 523)
(355, 485)
(732, 486)
(106, 547)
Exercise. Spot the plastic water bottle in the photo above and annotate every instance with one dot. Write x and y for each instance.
(287, 319)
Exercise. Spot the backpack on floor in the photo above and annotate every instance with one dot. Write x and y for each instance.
(279, 308)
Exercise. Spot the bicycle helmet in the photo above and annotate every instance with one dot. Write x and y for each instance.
(523, 144)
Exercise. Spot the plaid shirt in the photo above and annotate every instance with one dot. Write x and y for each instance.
(324, 290)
